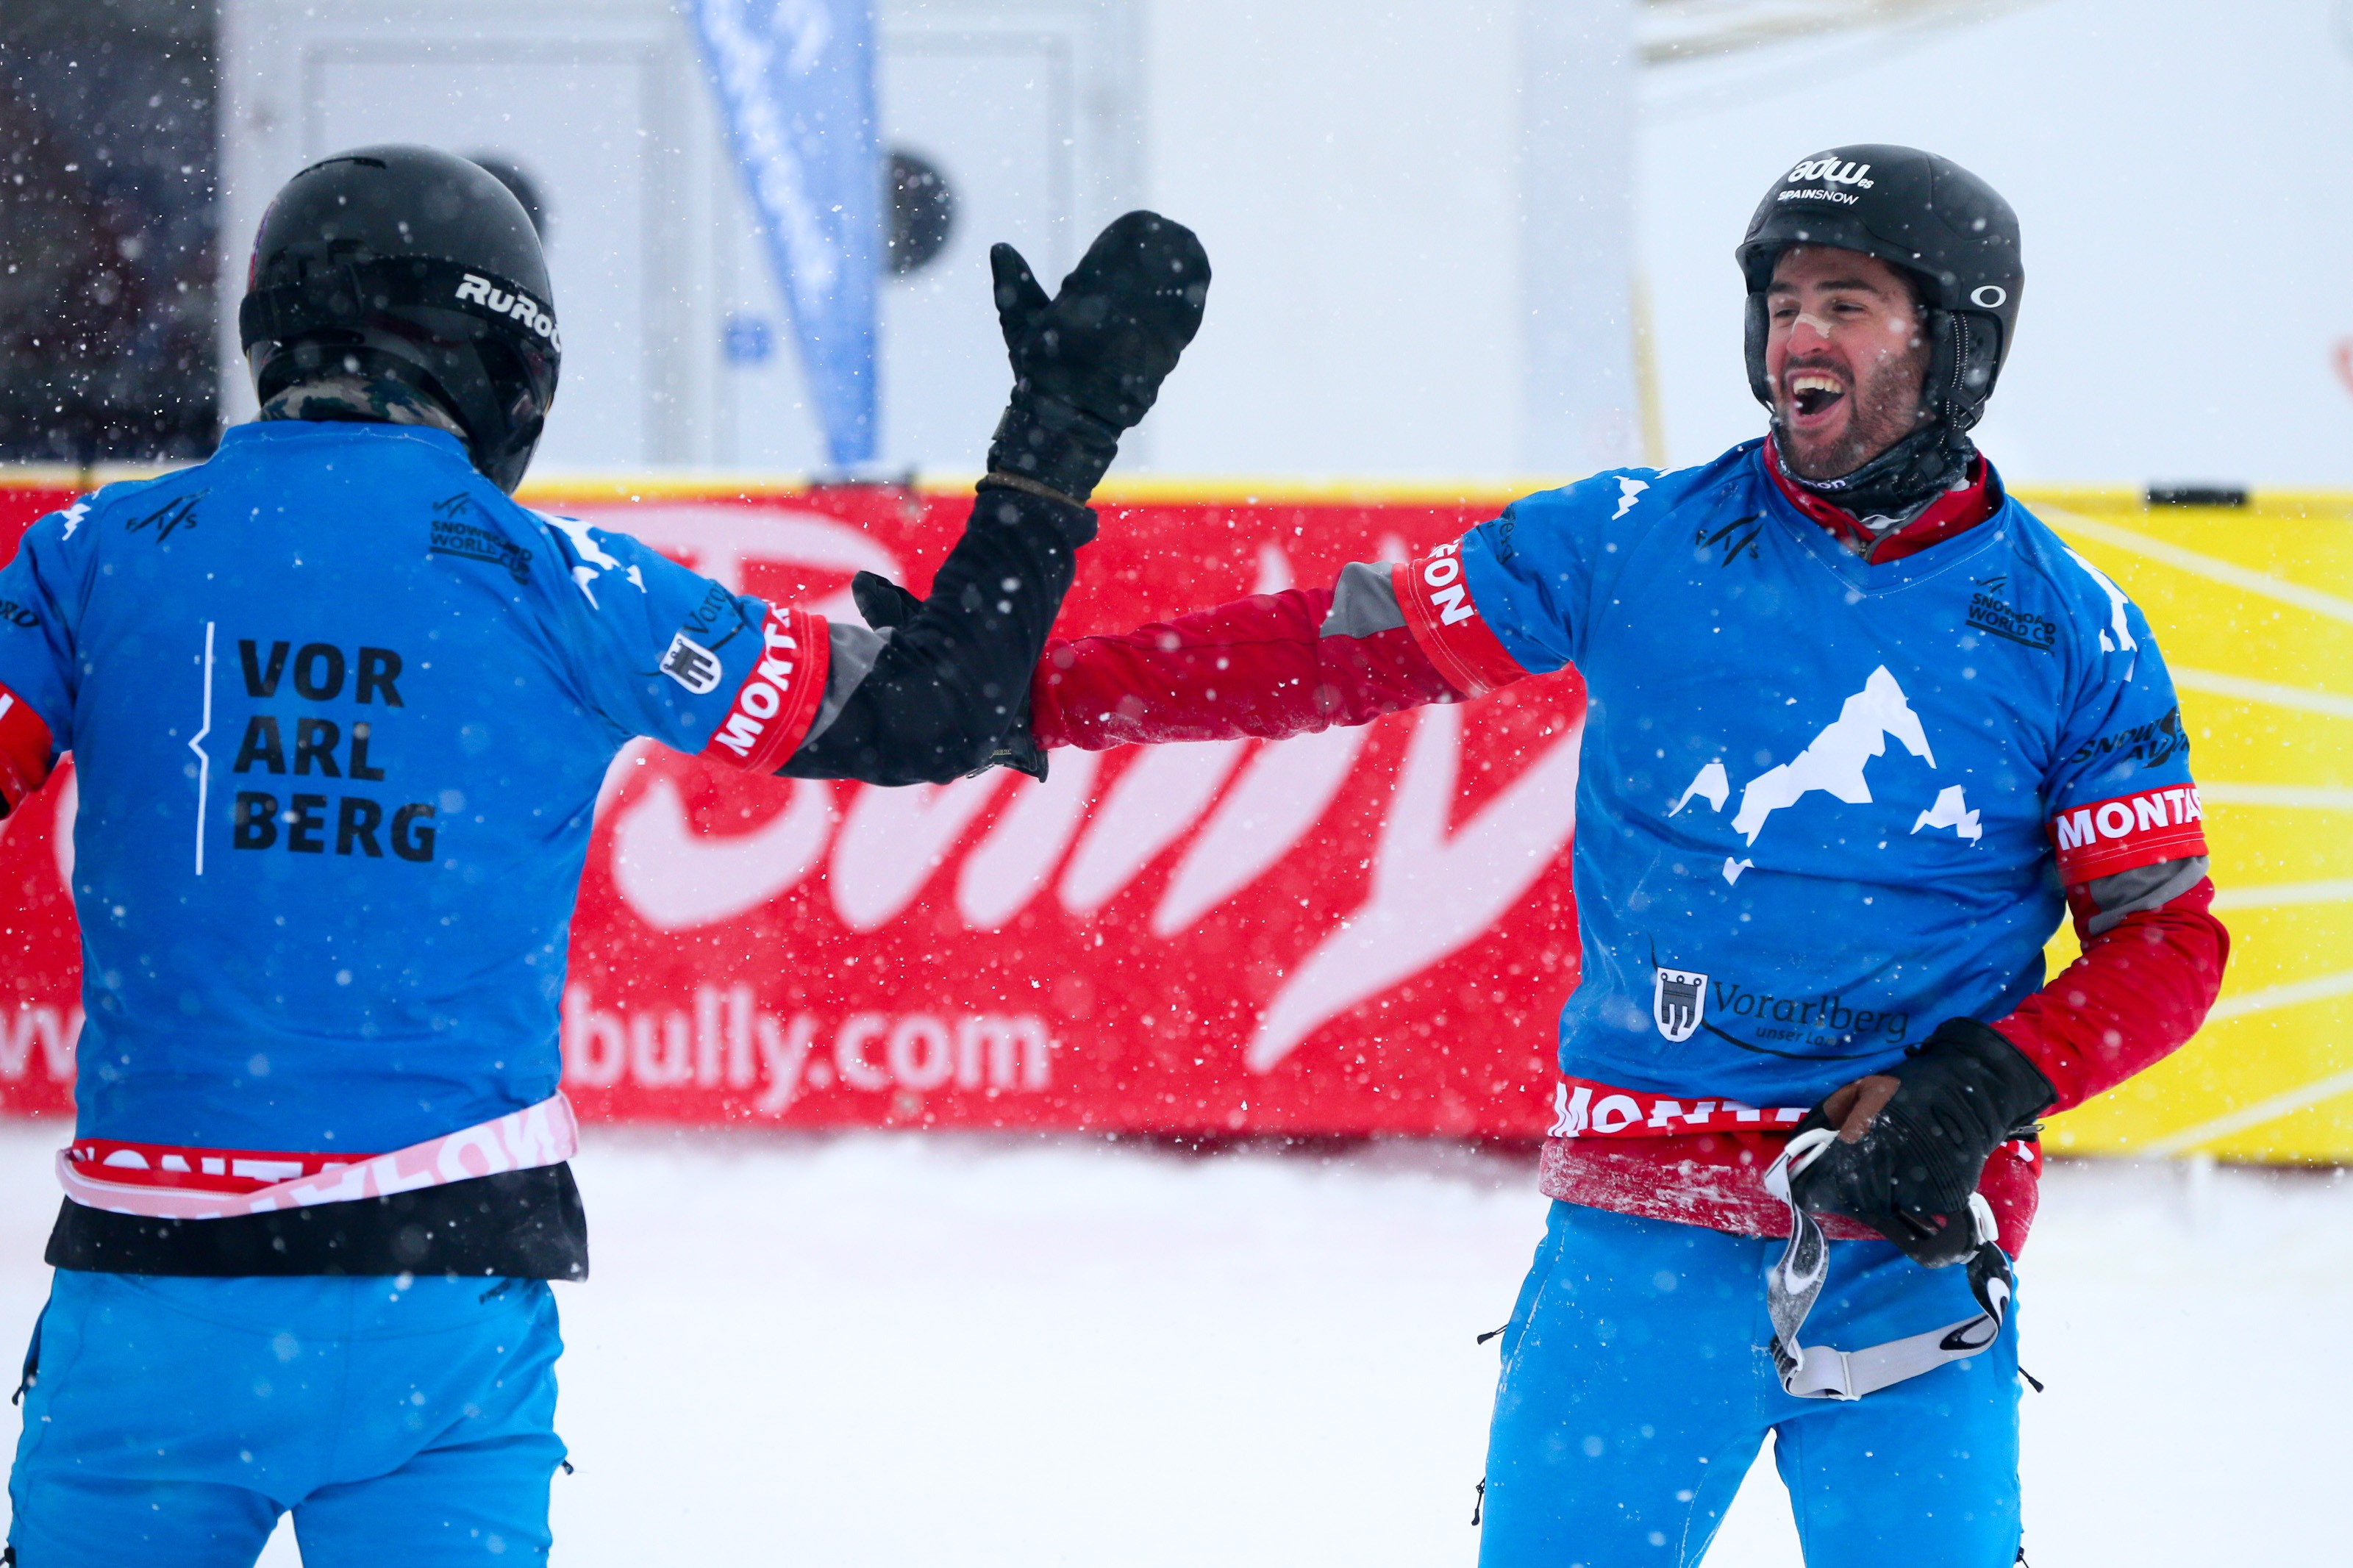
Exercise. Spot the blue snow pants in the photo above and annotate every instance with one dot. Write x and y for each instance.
(171, 1421)
(1637, 1390)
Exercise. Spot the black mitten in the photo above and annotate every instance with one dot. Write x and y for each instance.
(1961, 1092)
(1087, 363)
(886, 605)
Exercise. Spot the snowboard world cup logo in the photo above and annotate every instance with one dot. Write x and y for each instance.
(1678, 998)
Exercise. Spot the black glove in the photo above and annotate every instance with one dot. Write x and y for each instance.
(953, 678)
(1960, 1094)
(1088, 363)
(886, 605)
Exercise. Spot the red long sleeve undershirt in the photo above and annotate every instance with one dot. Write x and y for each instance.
(1257, 666)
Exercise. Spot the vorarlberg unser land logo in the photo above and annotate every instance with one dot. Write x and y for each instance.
(1678, 1002)
(1681, 1001)
(1730, 999)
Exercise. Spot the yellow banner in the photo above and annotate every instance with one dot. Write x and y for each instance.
(2248, 605)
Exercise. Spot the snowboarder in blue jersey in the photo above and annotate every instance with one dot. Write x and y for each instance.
(340, 710)
(1860, 731)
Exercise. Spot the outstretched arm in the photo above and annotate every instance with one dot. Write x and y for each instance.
(1269, 665)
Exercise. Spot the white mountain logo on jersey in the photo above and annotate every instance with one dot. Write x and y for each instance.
(1952, 810)
(1834, 764)
(594, 559)
(2118, 636)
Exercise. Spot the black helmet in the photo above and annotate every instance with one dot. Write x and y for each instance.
(1928, 215)
(425, 268)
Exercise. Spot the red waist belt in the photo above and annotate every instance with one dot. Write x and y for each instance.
(1703, 1162)
(162, 1181)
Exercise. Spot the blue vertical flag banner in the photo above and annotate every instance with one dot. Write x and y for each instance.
(796, 80)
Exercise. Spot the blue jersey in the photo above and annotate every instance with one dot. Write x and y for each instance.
(340, 710)
(1824, 804)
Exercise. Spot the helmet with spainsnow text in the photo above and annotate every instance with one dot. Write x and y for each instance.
(1949, 230)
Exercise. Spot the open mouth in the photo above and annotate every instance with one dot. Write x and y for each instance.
(1813, 392)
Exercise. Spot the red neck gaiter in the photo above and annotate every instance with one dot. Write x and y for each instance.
(1955, 511)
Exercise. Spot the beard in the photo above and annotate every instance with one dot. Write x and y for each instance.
(1882, 408)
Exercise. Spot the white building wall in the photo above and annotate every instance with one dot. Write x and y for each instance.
(1355, 183)
(1396, 214)
(602, 101)
(1419, 221)
(1362, 184)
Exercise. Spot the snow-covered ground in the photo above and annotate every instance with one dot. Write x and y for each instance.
(886, 1350)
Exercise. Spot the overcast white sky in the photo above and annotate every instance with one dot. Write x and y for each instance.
(2183, 172)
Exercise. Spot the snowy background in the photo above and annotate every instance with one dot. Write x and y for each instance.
(890, 1350)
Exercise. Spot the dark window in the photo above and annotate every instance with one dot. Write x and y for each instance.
(108, 225)
(922, 214)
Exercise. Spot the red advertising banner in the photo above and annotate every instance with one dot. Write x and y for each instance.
(1363, 930)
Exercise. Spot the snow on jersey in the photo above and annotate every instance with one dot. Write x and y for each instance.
(339, 710)
(1824, 805)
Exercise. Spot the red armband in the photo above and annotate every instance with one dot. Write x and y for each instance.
(2112, 835)
(26, 746)
(778, 701)
(1447, 626)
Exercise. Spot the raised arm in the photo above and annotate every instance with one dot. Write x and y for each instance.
(930, 690)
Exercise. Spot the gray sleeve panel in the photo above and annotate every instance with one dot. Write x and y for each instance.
(1363, 603)
(2142, 888)
(851, 652)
